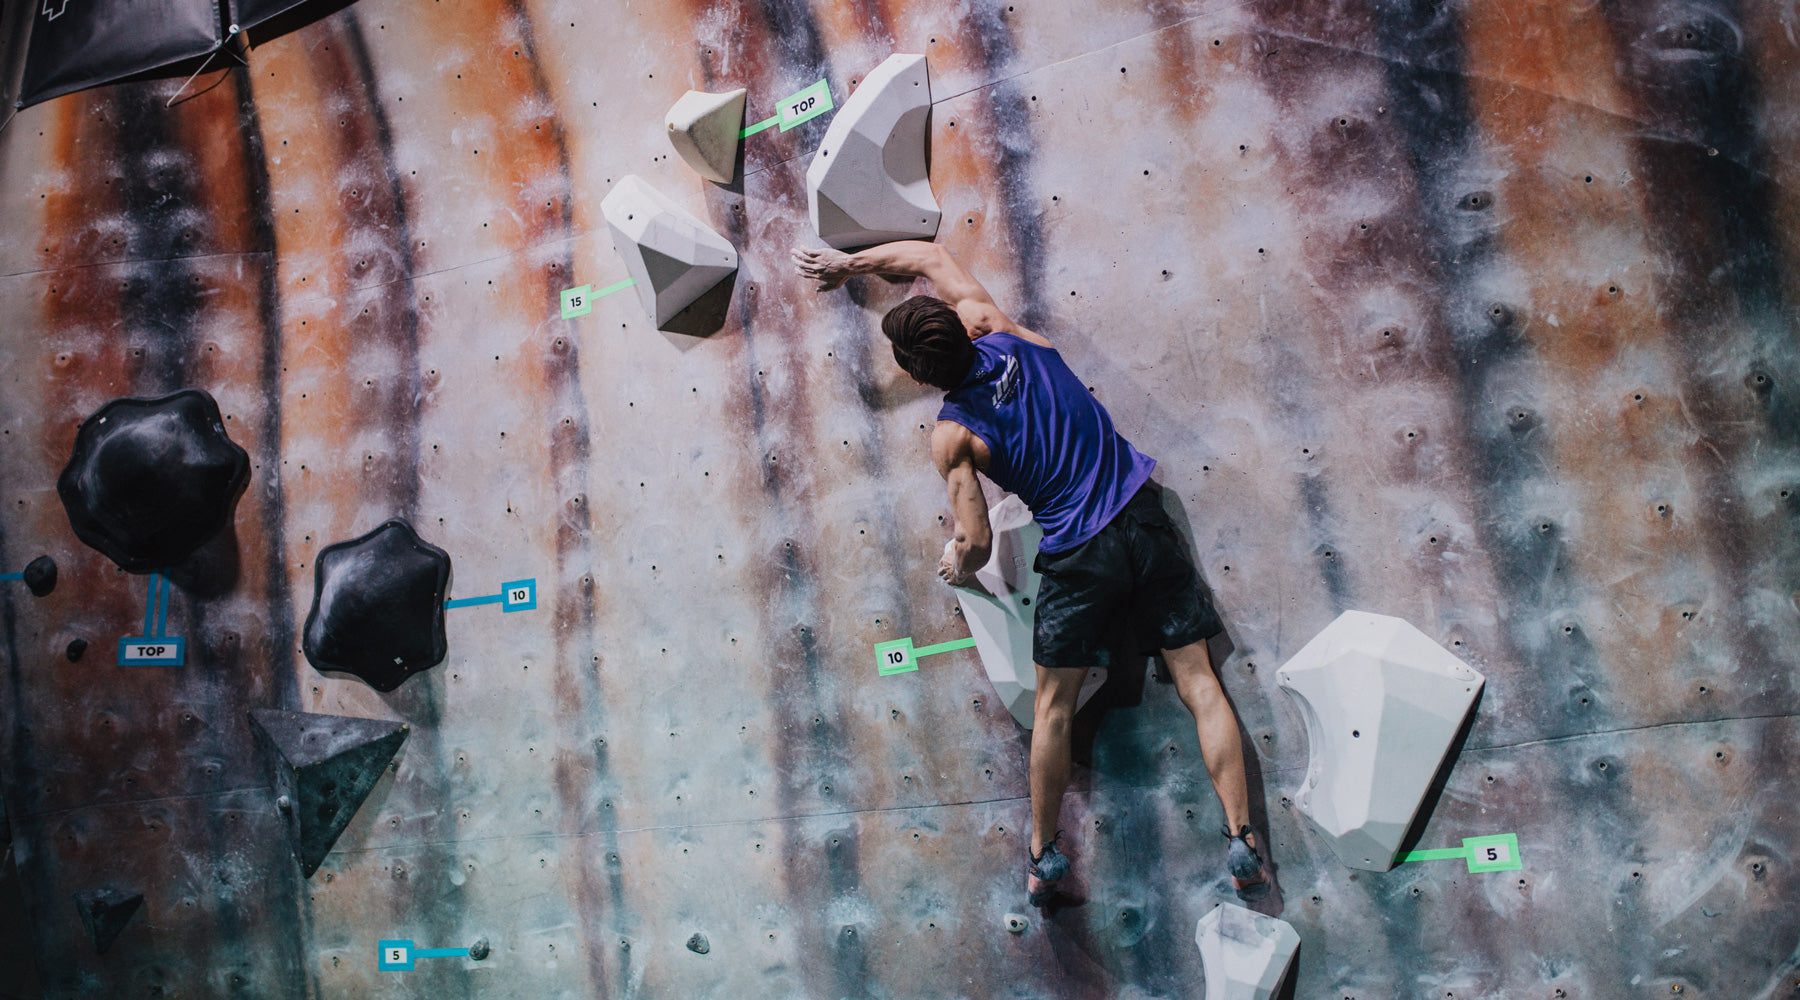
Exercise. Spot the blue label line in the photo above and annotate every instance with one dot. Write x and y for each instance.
(469, 602)
(398, 955)
(150, 602)
(11, 576)
(154, 647)
(162, 605)
(514, 595)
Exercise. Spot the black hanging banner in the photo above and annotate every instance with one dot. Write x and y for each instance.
(83, 43)
(248, 14)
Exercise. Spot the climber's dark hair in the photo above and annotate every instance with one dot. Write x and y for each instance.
(930, 342)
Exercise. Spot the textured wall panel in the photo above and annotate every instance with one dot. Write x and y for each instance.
(1479, 314)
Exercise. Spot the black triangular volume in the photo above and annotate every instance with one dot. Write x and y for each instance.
(324, 766)
(104, 912)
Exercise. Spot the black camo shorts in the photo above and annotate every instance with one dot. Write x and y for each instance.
(1135, 576)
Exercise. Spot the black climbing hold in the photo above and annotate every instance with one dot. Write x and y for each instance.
(378, 606)
(104, 912)
(151, 480)
(479, 950)
(40, 576)
(324, 765)
(698, 944)
(1475, 201)
(76, 648)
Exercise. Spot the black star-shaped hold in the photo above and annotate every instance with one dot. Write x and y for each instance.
(152, 480)
(378, 606)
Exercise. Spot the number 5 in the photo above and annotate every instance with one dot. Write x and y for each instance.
(1493, 854)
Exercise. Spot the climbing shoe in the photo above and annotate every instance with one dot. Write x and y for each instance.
(1046, 869)
(1242, 861)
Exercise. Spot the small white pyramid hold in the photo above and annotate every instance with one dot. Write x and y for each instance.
(1246, 955)
(704, 129)
(1381, 703)
(868, 183)
(1001, 619)
(673, 257)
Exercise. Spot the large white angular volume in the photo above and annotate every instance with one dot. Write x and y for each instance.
(1381, 702)
(704, 128)
(1246, 955)
(672, 256)
(1001, 619)
(868, 184)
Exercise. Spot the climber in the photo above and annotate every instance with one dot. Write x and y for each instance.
(1014, 411)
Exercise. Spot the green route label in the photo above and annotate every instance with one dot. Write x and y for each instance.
(579, 301)
(897, 656)
(799, 106)
(1497, 853)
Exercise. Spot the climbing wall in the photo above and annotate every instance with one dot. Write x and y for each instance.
(1479, 314)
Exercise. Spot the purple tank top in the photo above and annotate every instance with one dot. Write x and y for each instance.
(1051, 441)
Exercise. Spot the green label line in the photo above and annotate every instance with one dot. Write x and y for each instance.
(579, 301)
(800, 106)
(897, 656)
(1497, 853)
(1437, 854)
(945, 647)
(759, 126)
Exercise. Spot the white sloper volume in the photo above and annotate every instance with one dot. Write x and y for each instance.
(1001, 618)
(704, 129)
(1246, 955)
(868, 183)
(673, 257)
(1382, 703)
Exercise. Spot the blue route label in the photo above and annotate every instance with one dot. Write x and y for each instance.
(519, 595)
(398, 955)
(153, 649)
(143, 651)
(516, 595)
